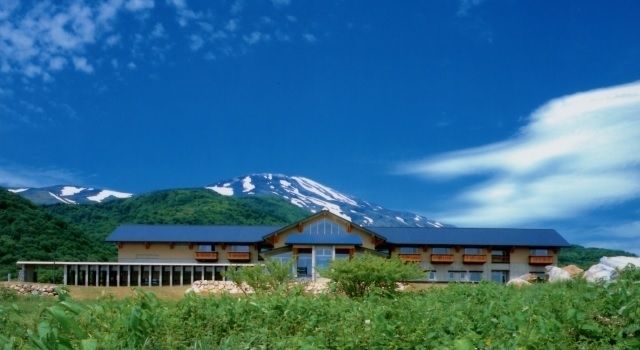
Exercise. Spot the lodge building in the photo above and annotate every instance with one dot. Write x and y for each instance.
(179, 254)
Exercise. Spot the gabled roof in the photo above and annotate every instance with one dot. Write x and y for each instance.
(320, 214)
(307, 237)
(472, 236)
(190, 233)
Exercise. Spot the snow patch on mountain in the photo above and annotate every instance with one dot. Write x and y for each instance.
(17, 190)
(63, 200)
(314, 196)
(71, 190)
(104, 194)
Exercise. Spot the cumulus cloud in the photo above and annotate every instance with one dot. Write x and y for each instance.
(577, 153)
(38, 39)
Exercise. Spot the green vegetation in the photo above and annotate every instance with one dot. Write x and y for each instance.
(586, 257)
(367, 273)
(272, 276)
(27, 232)
(77, 232)
(574, 315)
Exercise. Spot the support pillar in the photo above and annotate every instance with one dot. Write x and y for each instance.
(86, 276)
(140, 275)
(160, 276)
(108, 274)
(97, 275)
(118, 276)
(181, 275)
(150, 274)
(64, 276)
(75, 277)
(128, 275)
(171, 276)
(193, 272)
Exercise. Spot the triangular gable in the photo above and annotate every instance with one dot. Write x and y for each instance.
(329, 229)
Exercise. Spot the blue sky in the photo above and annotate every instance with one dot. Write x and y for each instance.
(477, 113)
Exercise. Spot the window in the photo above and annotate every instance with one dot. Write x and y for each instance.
(384, 251)
(474, 251)
(539, 252)
(323, 257)
(500, 276)
(475, 276)
(343, 253)
(499, 256)
(432, 276)
(303, 263)
(239, 248)
(206, 248)
(409, 250)
(283, 258)
(456, 276)
(441, 250)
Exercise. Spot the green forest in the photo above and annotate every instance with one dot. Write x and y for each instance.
(77, 232)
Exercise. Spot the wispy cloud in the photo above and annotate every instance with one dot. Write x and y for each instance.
(465, 7)
(577, 153)
(13, 175)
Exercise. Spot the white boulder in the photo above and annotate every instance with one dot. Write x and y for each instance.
(557, 274)
(607, 269)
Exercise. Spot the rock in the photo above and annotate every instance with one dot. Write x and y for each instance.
(518, 282)
(573, 271)
(529, 277)
(607, 269)
(557, 274)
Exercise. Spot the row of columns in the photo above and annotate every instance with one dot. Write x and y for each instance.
(135, 275)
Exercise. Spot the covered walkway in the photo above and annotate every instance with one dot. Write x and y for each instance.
(116, 274)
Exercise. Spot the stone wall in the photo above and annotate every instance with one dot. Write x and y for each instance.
(34, 289)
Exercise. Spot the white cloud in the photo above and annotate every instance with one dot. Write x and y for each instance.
(81, 64)
(196, 42)
(231, 25)
(158, 31)
(12, 175)
(253, 38)
(309, 37)
(280, 3)
(465, 7)
(577, 153)
(139, 5)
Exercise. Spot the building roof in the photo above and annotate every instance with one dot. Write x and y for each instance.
(190, 233)
(472, 236)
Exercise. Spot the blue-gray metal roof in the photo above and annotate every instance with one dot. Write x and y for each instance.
(190, 233)
(472, 236)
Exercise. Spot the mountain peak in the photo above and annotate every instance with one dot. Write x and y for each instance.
(68, 194)
(313, 196)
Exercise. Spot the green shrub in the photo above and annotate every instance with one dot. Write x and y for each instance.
(368, 273)
(271, 276)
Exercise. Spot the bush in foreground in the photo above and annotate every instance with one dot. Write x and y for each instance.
(368, 273)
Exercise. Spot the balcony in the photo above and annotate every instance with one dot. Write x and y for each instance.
(474, 259)
(207, 256)
(441, 258)
(410, 257)
(540, 260)
(500, 259)
(239, 256)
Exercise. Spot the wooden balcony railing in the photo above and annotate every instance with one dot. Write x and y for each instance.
(206, 256)
(441, 258)
(540, 260)
(500, 259)
(410, 257)
(239, 256)
(474, 259)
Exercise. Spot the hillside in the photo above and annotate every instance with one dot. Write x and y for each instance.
(585, 257)
(184, 206)
(28, 232)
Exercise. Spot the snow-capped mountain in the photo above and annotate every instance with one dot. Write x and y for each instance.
(313, 196)
(68, 194)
